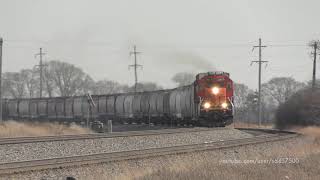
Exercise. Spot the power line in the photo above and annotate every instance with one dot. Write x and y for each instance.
(41, 65)
(315, 46)
(1, 42)
(260, 62)
(286, 45)
(164, 45)
(135, 66)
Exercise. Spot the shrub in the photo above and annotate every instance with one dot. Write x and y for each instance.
(301, 109)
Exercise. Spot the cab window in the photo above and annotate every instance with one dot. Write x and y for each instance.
(229, 85)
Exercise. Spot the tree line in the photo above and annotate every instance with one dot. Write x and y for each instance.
(64, 79)
(275, 93)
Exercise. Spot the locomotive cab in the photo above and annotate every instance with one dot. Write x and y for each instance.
(214, 95)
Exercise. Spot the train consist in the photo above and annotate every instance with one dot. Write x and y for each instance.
(206, 102)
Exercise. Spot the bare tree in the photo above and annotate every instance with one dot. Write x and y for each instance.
(68, 79)
(243, 100)
(14, 84)
(241, 92)
(317, 85)
(146, 86)
(87, 85)
(50, 87)
(281, 88)
(107, 87)
(30, 79)
(183, 78)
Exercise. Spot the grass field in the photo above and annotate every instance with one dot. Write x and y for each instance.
(300, 161)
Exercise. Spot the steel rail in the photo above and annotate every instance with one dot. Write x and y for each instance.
(35, 139)
(15, 167)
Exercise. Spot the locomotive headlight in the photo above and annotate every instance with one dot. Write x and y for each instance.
(215, 90)
(224, 105)
(206, 105)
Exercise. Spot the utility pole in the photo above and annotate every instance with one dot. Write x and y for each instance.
(135, 66)
(1, 42)
(315, 46)
(260, 62)
(41, 70)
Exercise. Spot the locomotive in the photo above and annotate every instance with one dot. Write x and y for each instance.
(208, 101)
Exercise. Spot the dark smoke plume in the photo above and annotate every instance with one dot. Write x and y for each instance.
(186, 58)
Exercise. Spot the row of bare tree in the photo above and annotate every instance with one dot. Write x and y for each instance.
(62, 79)
(275, 92)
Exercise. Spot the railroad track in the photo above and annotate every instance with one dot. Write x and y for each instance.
(15, 167)
(19, 140)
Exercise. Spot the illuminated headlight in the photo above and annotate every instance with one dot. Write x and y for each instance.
(224, 105)
(206, 105)
(215, 90)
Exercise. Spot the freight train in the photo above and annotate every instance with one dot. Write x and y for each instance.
(208, 101)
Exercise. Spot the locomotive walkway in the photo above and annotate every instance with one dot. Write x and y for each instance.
(15, 167)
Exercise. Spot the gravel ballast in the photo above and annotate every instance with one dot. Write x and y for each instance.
(133, 169)
(44, 150)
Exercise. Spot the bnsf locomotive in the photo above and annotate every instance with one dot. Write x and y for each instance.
(206, 102)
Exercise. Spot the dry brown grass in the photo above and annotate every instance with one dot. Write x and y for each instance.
(20, 129)
(311, 131)
(307, 150)
(313, 135)
(209, 170)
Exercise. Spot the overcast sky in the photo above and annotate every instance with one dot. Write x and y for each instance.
(173, 36)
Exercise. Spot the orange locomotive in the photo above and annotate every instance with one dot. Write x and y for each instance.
(214, 95)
